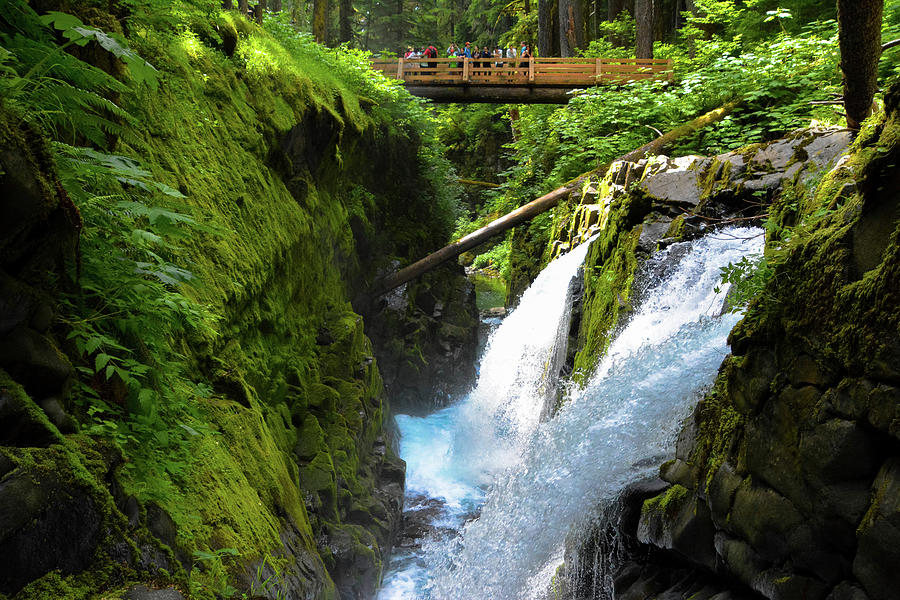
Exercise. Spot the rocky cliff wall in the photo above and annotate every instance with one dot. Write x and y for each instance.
(783, 485)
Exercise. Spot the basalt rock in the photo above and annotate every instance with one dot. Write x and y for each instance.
(784, 482)
(433, 358)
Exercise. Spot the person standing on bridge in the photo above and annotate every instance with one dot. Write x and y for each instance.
(511, 55)
(486, 62)
(431, 52)
(453, 52)
(525, 55)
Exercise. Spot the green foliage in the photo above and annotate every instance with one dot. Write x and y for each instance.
(53, 88)
(129, 307)
(210, 576)
(497, 259)
(616, 39)
(748, 278)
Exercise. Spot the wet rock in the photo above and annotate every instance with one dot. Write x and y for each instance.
(749, 379)
(878, 555)
(774, 156)
(680, 523)
(778, 584)
(652, 233)
(680, 472)
(20, 421)
(58, 416)
(847, 591)
(142, 592)
(498, 312)
(45, 526)
(722, 486)
(765, 519)
(676, 182)
(826, 145)
(739, 557)
(434, 358)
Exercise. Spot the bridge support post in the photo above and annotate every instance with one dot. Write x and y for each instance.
(400, 69)
(466, 62)
(599, 71)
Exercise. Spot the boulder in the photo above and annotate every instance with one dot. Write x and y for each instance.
(878, 552)
(679, 521)
(45, 525)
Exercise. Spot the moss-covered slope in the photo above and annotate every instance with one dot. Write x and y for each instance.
(275, 470)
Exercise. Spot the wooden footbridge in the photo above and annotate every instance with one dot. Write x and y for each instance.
(536, 80)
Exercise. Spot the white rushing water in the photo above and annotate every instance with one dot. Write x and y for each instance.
(535, 481)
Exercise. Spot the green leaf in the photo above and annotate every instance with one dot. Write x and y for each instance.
(61, 20)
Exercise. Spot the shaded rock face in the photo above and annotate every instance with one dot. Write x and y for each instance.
(425, 337)
(785, 479)
(38, 230)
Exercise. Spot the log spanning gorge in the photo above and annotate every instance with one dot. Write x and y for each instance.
(500, 478)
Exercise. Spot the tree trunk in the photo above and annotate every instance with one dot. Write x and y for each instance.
(859, 35)
(536, 207)
(614, 8)
(227, 4)
(243, 7)
(643, 16)
(276, 5)
(571, 28)
(345, 18)
(259, 11)
(320, 21)
(545, 28)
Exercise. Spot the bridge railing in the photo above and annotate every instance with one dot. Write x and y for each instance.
(558, 72)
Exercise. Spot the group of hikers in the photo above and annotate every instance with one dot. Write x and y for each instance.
(514, 57)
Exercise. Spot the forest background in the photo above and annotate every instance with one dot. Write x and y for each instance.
(779, 60)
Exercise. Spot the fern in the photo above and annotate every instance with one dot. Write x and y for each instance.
(68, 97)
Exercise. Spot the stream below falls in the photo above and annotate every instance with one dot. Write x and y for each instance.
(495, 484)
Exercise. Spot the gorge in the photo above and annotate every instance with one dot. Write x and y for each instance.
(693, 393)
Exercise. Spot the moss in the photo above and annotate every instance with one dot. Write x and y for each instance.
(307, 192)
(668, 502)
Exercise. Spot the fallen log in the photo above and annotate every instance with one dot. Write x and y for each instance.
(480, 183)
(542, 204)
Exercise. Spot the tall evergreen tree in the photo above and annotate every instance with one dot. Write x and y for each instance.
(320, 21)
(859, 35)
(643, 16)
(548, 44)
(345, 19)
(571, 26)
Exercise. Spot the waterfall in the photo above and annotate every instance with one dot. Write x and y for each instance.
(513, 484)
(453, 454)
(603, 435)
(519, 373)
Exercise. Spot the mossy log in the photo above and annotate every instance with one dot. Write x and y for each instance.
(479, 183)
(540, 205)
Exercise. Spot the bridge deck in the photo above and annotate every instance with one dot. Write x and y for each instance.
(540, 79)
